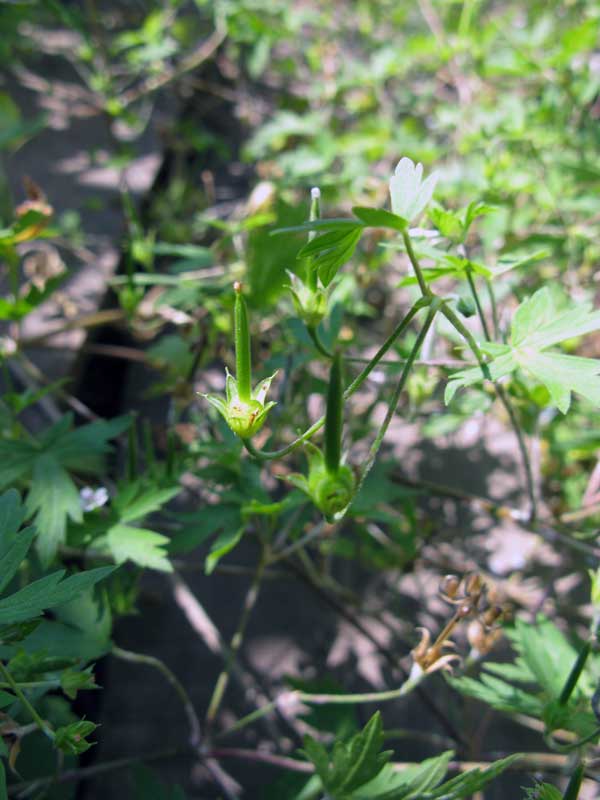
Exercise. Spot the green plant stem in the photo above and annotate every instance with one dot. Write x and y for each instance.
(461, 328)
(465, 17)
(296, 696)
(263, 757)
(457, 323)
(390, 656)
(575, 673)
(569, 748)
(530, 483)
(32, 684)
(475, 295)
(248, 719)
(314, 533)
(503, 397)
(42, 725)
(236, 641)
(425, 290)
(572, 791)
(312, 274)
(396, 396)
(492, 296)
(314, 335)
(243, 362)
(334, 416)
(268, 455)
(366, 697)
(89, 772)
(156, 663)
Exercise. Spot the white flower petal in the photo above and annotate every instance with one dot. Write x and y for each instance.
(408, 192)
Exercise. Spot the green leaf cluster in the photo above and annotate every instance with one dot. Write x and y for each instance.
(46, 464)
(48, 592)
(538, 324)
(357, 769)
(533, 683)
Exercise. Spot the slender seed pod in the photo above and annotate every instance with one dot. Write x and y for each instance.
(334, 417)
(243, 364)
(575, 673)
(572, 791)
(315, 213)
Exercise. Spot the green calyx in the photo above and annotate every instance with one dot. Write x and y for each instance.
(245, 417)
(310, 304)
(331, 492)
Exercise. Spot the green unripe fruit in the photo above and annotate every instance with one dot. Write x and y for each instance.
(245, 418)
(331, 492)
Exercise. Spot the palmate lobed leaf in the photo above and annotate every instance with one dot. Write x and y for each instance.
(144, 547)
(536, 326)
(14, 544)
(467, 784)
(352, 763)
(407, 784)
(538, 323)
(533, 684)
(53, 497)
(134, 501)
(357, 770)
(48, 592)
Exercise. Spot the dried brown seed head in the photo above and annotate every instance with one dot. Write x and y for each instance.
(449, 586)
(492, 615)
(473, 584)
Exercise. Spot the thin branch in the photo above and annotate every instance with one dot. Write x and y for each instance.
(156, 663)
(93, 320)
(236, 641)
(547, 530)
(83, 773)
(395, 399)
(190, 62)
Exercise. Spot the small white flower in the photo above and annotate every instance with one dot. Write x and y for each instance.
(409, 192)
(92, 498)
